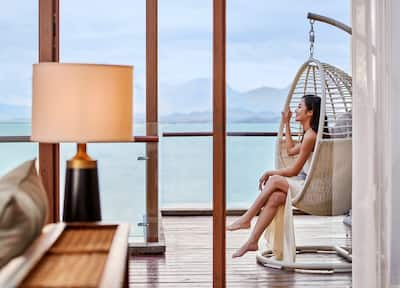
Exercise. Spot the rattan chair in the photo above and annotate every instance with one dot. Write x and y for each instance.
(327, 188)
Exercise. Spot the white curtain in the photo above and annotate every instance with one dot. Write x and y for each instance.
(376, 143)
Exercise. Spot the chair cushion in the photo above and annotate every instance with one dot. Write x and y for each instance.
(23, 210)
(342, 128)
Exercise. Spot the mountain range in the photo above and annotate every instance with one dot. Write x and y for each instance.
(191, 101)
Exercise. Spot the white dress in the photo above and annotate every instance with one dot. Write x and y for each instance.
(279, 235)
(296, 183)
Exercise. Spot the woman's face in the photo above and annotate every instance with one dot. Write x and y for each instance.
(302, 114)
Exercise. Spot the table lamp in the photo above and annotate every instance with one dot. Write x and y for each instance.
(81, 103)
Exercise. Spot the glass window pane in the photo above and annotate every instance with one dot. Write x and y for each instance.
(263, 57)
(185, 102)
(111, 32)
(107, 32)
(18, 51)
(267, 42)
(185, 64)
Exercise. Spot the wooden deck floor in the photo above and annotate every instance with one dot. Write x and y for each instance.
(188, 258)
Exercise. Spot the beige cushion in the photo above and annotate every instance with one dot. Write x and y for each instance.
(343, 126)
(23, 210)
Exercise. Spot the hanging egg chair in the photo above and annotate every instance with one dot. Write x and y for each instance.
(327, 187)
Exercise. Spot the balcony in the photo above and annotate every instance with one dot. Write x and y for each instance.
(178, 182)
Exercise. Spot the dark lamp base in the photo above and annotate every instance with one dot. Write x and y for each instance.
(82, 197)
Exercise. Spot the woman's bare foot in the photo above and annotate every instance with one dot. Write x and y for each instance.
(244, 249)
(239, 224)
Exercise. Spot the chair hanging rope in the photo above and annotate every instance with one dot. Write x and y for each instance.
(312, 38)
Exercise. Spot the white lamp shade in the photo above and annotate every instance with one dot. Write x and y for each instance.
(81, 103)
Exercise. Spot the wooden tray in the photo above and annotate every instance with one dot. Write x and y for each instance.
(72, 255)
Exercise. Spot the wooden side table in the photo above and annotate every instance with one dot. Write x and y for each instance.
(72, 255)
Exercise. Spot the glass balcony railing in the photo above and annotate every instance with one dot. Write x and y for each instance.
(14, 150)
(12, 154)
(186, 163)
(184, 166)
(121, 180)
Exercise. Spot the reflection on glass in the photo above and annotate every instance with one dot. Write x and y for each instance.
(85, 37)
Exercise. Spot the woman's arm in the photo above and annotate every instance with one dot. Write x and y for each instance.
(306, 147)
(294, 150)
(288, 135)
(291, 147)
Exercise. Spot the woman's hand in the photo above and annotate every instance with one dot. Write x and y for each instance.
(264, 179)
(286, 116)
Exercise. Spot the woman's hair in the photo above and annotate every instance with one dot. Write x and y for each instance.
(313, 103)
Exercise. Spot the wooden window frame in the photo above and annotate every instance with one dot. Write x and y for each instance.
(219, 142)
(49, 154)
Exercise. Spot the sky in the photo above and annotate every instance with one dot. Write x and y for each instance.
(267, 40)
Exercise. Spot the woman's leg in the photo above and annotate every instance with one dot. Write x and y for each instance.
(274, 183)
(277, 199)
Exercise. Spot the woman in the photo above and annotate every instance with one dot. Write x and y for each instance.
(274, 185)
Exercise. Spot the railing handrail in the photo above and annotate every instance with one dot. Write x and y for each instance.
(25, 139)
(209, 134)
(155, 139)
(14, 139)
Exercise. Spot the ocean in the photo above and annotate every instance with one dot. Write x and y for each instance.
(185, 167)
